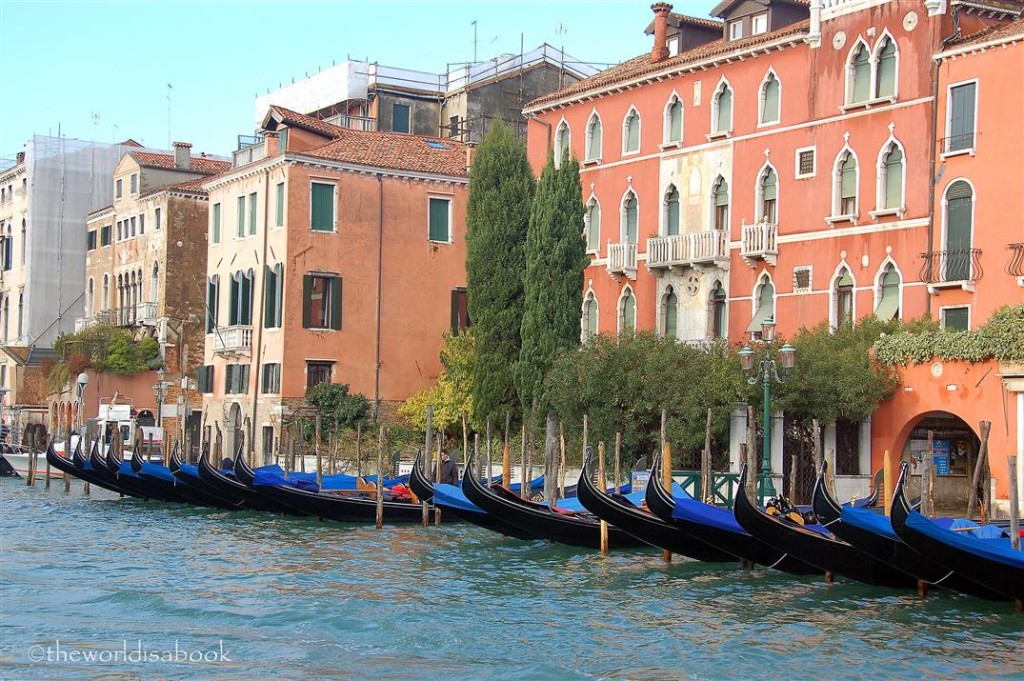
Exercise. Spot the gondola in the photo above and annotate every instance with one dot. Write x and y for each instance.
(539, 519)
(872, 533)
(234, 492)
(992, 563)
(77, 466)
(185, 490)
(814, 544)
(645, 526)
(125, 477)
(100, 466)
(718, 528)
(454, 502)
(324, 505)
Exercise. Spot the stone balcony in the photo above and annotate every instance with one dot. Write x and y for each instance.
(622, 260)
(232, 340)
(760, 242)
(688, 250)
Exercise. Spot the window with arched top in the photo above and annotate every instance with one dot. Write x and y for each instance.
(630, 218)
(627, 312)
(890, 178)
(888, 305)
(721, 109)
(154, 284)
(592, 219)
(958, 231)
(562, 142)
(844, 191)
(674, 120)
(669, 314)
(90, 300)
(770, 97)
(768, 196)
(720, 203)
(105, 303)
(719, 320)
(589, 317)
(594, 138)
(21, 312)
(672, 211)
(842, 293)
(885, 68)
(631, 132)
(859, 74)
(764, 300)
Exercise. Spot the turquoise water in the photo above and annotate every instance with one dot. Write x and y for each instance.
(294, 599)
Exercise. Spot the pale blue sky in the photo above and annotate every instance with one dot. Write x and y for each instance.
(62, 62)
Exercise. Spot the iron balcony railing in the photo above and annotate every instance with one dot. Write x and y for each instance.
(1015, 266)
(232, 339)
(687, 249)
(951, 266)
(962, 142)
(622, 259)
(760, 241)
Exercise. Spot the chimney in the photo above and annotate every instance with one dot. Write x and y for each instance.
(20, 158)
(814, 32)
(470, 155)
(182, 155)
(660, 50)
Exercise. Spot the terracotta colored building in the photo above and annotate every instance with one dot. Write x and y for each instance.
(774, 162)
(145, 272)
(335, 255)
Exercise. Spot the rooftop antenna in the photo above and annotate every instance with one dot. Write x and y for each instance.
(169, 89)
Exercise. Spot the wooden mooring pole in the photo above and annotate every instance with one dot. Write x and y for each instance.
(380, 476)
(1011, 467)
(428, 446)
(979, 472)
(887, 482)
(618, 461)
(705, 463)
(601, 484)
(506, 454)
(927, 462)
(666, 477)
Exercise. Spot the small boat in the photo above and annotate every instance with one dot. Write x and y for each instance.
(642, 524)
(125, 478)
(325, 505)
(718, 528)
(18, 457)
(872, 533)
(814, 544)
(541, 520)
(159, 475)
(451, 500)
(78, 466)
(233, 492)
(990, 562)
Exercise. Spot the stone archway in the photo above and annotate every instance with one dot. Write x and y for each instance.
(955, 447)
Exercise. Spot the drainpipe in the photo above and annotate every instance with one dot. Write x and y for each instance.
(936, 65)
(257, 354)
(380, 285)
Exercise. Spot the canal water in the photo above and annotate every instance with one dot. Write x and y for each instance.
(112, 588)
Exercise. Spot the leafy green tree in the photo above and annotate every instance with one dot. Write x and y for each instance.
(336, 407)
(452, 395)
(501, 188)
(555, 261)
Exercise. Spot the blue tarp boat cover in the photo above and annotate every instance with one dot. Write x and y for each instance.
(155, 470)
(996, 549)
(275, 475)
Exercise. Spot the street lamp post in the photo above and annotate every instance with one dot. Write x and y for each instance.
(83, 381)
(766, 372)
(160, 392)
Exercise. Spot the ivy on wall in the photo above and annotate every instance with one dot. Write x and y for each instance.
(1000, 338)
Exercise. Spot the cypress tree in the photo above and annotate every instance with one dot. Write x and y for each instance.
(555, 262)
(501, 188)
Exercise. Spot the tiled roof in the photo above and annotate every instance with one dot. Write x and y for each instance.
(197, 164)
(1014, 29)
(396, 151)
(1009, 6)
(641, 66)
(675, 19)
(294, 118)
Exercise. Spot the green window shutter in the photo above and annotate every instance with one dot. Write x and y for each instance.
(770, 111)
(438, 228)
(269, 297)
(885, 85)
(629, 311)
(211, 305)
(961, 121)
(454, 319)
(335, 303)
(765, 308)
(894, 178)
(282, 141)
(724, 121)
(631, 220)
(672, 213)
(252, 213)
(594, 228)
(595, 140)
(245, 305)
(675, 121)
(591, 318)
(889, 305)
(721, 193)
(307, 295)
(959, 206)
(633, 132)
(279, 307)
(228, 371)
(233, 300)
(241, 216)
(770, 186)
(244, 382)
(671, 309)
(216, 223)
(848, 177)
(322, 207)
(861, 75)
(845, 280)
(280, 205)
(955, 319)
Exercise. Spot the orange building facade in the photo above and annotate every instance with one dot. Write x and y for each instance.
(337, 256)
(776, 162)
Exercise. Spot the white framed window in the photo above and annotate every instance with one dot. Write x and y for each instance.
(562, 141)
(805, 162)
(588, 322)
(439, 219)
(886, 64)
(631, 132)
(858, 73)
(592, 223)
(766, 207)
(720, 204)
(770, 99)
(718, 321)
(961, 118)
(594, 136)
(721, 110)
(843, 295)
(891, 176)
(763, 301)
(803, 279)
(671, 225)
(669, 326)
(872, 74)
(629, 218)
(759, 24)
(957, 256)
(627, 311)
(322, 207)
(888, 292)
(955, 318)
(673, 124)
(736, 30)
(845, 177)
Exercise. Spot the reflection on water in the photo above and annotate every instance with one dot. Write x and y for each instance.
(294, 598)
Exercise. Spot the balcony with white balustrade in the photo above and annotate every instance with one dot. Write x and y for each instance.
(622, 260)
(688, 250)
(760, 242)
(232, 340)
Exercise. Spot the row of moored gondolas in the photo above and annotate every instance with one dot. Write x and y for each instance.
(905, 550)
